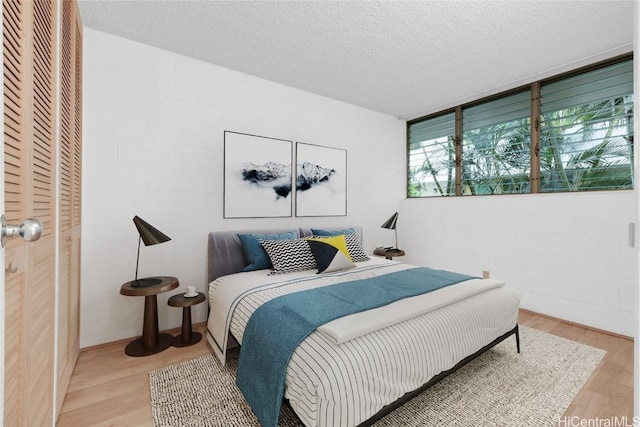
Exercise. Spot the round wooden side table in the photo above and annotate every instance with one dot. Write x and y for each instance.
(187, 337)
(388, 253)
(152, 341)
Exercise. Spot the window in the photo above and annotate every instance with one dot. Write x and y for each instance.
(586, 140)
(432, 157)
(496, 146)
(570, 133)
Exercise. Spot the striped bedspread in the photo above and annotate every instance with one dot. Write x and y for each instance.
(342, 385)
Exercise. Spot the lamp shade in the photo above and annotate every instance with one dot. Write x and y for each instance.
(150, 236)
(390, 224)
(148, 233)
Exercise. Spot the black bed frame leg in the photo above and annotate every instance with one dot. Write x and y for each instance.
(518, 339)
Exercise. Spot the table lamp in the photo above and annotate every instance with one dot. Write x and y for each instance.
(390, 224)
(150, 236)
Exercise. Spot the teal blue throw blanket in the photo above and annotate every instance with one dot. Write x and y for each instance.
(277, 327)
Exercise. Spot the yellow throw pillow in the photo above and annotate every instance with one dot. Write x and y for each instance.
(330, 253)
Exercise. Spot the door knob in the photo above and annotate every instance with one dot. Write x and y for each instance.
(30, 230)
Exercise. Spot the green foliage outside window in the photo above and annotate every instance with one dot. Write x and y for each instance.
(588, 147)
(496, 159)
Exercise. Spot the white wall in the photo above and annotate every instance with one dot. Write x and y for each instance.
(153, 147)
(566, 253)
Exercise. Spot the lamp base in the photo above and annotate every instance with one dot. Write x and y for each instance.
(144, 283)
(394, 250)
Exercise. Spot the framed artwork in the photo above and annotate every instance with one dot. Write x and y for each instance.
(258, 176)
(321, 180)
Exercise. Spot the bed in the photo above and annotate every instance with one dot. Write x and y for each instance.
(355, 369)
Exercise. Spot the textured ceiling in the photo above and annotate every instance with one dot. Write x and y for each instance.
(403, 58)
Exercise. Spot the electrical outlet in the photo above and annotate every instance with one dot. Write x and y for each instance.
(485, 274)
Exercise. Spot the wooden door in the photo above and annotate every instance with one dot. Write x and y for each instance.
(30, 152)
(69, 196)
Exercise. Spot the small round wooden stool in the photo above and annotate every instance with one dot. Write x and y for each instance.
(187, 337)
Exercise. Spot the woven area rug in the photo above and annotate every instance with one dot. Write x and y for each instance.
(500, 388)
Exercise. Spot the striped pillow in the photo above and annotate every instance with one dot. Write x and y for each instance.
(289, 255)
(353, 245)
(355, 249)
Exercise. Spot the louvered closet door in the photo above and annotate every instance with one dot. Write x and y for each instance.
(29, 161)
(69, 198)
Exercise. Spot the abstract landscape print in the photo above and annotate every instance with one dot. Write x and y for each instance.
(321, 180)
(257, 176)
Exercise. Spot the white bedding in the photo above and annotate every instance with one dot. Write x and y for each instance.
(331, 384)
(227, 292)
(355, 325)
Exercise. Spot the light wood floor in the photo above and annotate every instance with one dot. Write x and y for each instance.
(109, 388)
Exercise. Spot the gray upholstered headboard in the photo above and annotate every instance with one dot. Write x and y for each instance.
(304, 232)
(225, 253)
